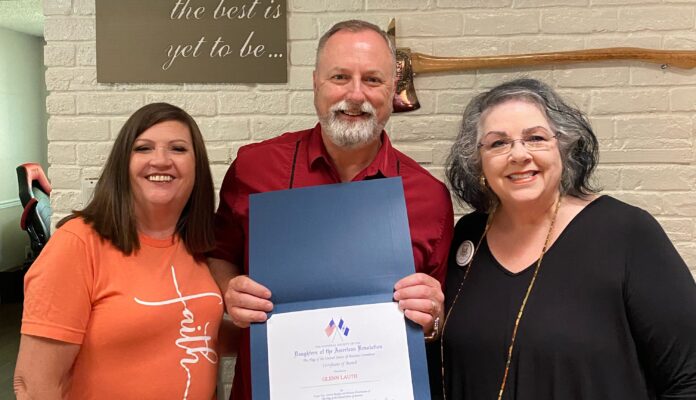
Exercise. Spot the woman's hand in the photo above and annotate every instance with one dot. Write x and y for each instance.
(421, 299)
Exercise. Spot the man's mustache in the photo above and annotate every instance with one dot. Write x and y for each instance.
(353, 108)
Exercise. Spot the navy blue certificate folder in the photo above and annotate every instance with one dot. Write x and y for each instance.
(331, 246)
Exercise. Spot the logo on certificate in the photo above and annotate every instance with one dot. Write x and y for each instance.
(332, 329)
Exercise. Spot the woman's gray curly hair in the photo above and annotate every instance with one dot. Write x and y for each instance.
(576, 141)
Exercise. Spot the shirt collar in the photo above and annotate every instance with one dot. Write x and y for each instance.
(384, 163)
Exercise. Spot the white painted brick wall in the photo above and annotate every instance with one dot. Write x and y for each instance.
(643, 115)
(61, 153)
(62, 54)
(60, 103)
(57, 7)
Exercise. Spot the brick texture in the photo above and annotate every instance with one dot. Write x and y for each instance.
(642, 113)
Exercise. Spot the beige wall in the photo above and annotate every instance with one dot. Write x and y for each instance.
(642, 114)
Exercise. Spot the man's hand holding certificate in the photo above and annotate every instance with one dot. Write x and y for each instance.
(330, 256)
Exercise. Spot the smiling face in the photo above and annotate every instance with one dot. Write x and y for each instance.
(520, 177)
(162, 168)
(354, 87)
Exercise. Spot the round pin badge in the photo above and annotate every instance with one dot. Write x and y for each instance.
(464, 253)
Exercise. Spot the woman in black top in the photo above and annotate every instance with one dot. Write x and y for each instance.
(554, 292)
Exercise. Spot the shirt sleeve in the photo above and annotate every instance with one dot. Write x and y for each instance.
(660, 297)
(229, 231)
(58, 290)
(438, 258)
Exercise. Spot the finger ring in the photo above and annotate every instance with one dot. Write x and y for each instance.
(434, 307)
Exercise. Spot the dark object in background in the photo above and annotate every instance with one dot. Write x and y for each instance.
(34, 194)
(12, 286)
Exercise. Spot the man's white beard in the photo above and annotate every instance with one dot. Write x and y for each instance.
(351, 134)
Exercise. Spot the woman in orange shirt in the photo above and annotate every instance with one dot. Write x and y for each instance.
(120, 304)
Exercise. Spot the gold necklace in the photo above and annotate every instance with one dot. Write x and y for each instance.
(519, 313)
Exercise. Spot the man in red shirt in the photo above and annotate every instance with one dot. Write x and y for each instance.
(354, 83)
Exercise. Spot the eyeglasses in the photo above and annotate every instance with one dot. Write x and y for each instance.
(535, 142)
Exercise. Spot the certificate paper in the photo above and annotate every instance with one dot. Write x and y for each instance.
(353, 352)
(325, 252)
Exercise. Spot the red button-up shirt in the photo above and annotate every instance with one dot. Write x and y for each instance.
(300, 159)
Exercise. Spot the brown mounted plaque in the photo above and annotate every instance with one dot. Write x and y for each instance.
(191, 41)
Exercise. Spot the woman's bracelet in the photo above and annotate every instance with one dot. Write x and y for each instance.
(435, 334)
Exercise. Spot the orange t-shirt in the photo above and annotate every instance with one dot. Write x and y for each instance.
(147, 323)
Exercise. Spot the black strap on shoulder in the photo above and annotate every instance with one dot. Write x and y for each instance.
(294, 161)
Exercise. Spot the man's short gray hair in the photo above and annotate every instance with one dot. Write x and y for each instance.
(355, 25)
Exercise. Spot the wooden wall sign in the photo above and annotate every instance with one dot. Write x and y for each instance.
(191, 41)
